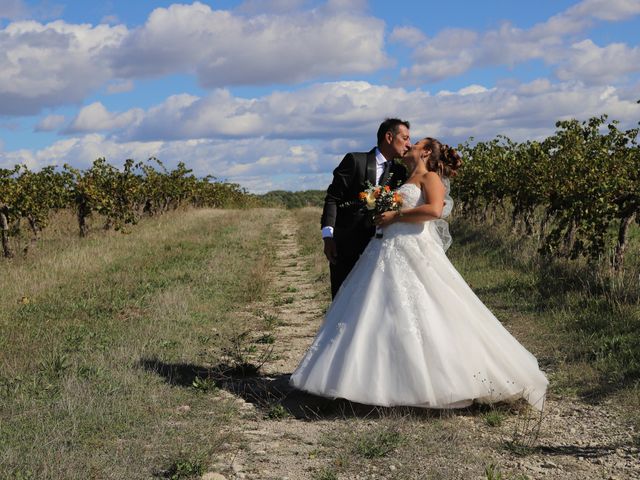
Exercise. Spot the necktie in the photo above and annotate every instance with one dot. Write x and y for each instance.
(385, 173)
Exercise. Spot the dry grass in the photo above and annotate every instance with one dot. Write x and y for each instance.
(108, 346)
(311, 248)
(101, 340)
(399, 444)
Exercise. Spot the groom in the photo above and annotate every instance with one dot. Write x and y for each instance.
(346, 230)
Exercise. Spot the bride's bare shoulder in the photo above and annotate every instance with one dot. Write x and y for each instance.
(430, 175)
(430, 179)
(432, 187)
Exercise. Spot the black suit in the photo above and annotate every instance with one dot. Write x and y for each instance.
(352, 227)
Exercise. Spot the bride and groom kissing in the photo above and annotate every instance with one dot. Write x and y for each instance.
(404, 328)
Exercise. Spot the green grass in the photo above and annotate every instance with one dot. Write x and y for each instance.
(493, 472)
(311, 248)
(98, 338)
(493, 418)
(108, 346)
(580, 320)
(378, 443)
(277, 412)
(397, 444)
(325, 474)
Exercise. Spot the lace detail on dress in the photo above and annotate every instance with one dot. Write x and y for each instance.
(339, 330)
(412, 197)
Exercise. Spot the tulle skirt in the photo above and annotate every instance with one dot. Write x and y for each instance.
(406, 329)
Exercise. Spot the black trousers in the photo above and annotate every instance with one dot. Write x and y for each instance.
(350, 244)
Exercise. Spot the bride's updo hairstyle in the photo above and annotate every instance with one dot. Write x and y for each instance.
(444, 160)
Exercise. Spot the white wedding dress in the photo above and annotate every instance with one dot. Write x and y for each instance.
(406, 329)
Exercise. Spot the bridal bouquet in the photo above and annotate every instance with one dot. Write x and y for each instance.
(379, 199)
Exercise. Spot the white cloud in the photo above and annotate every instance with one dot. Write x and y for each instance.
(252, 160)
(223, 48)
(469, 90)
(256, 7)
(593, 64)
(52, 64)
(50, 123)
(408, 35)
(343, 115)
(452, 52)
(535, 87)
(79, 152)
(472, 90)
(608, 92)
(611, 10)
(310, 113)
(96, 118)
(297, 158)
(304, 134)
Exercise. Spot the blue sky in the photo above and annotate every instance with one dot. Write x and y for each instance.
(271, 93)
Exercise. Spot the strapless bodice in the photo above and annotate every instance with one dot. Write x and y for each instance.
(411, 195)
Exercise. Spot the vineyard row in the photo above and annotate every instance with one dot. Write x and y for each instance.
(121, 197)
(577, 191)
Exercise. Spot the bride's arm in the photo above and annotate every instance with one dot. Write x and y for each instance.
(434, 192)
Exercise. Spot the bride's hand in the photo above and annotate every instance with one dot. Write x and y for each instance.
(386, 218)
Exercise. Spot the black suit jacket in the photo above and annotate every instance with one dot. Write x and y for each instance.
(342, 207)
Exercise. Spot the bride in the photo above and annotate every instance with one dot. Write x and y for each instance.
(405, 328)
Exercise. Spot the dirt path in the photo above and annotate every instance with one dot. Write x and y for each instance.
(289, 435)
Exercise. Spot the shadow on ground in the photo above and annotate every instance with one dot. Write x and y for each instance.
(271, 394)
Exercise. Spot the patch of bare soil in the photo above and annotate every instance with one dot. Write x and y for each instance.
(287, 434)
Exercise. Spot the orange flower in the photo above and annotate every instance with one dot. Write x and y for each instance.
(397, 198)
(387, 188)
(362, 195)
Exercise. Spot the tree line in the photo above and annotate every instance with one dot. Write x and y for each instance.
(299, 199)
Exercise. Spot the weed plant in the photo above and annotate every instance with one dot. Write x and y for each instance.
(378, 443)
(493, 418)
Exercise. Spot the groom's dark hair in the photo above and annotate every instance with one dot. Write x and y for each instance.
(390, 125)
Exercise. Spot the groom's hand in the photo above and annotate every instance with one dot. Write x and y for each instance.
(330, 250)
